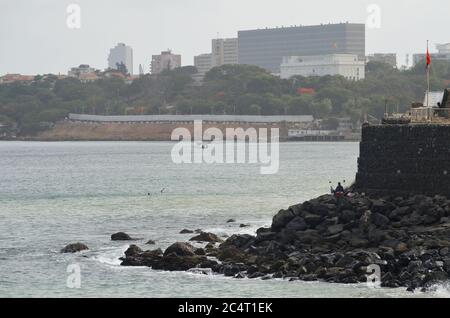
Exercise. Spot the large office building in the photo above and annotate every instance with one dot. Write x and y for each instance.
(121, 53)
(224, 51)
(165, 61)
(267, 47)
(347, 65)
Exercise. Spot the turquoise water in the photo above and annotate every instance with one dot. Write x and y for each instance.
(53, 194)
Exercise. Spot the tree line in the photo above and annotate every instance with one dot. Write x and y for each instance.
(229, 89)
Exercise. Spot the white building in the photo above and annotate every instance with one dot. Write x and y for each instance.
(347, 65)
(82, 69)
(165, 61)
(121, 53)
(224, 51)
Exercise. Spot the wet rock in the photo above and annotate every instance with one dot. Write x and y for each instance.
(244, 225)
(255, 275)
(239, 241)
(186, 231)
(206, 237)
(200, 251)
(74, 248)
(231, 254)
(150, 242)
(407, 236)
(173, 262)
(121, 236)
(231, 221)
(133, 250)
(180, 249)
(240, 275)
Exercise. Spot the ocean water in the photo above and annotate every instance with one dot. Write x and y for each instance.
(53, 194)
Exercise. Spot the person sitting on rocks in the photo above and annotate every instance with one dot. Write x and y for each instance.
(339, 191)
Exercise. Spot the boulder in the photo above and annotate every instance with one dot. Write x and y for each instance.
(281, 219)
(133, 250)
(173, 262)
(312, 220)
(335, 229)
(150, 242)
(180, 249)
(206, 237)
(380, 220)
(231, 221)
(74, 248)
(231, 254)
(297, 224)
(238, 241)
(185, 231)
(121, 236)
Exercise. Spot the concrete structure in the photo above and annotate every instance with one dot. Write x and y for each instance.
(165, 61)
(191, 118)
(402, 159)
(121, 54)
(267, 47)
(388, 58)
(347, 65)
(442, 55)
(203, 63)
(314, 135)
(224, 51)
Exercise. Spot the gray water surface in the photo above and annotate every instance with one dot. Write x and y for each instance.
(53, 194)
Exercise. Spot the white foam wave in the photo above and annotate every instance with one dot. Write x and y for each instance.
(110, 256)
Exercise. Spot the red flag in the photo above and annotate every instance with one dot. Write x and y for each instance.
(428, 58)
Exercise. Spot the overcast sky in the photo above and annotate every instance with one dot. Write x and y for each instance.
(35, 38)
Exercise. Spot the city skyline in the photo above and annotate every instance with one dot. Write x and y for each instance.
(40, 27)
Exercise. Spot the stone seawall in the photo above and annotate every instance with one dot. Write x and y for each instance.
(405, 159)
(87, 131)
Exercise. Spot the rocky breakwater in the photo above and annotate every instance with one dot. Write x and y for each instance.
(407, 238)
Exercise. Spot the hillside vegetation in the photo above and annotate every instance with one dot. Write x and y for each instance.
(230, 89)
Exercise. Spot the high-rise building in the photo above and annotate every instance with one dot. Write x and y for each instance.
(165, 61)
(224, 51)
(267, 47)
(347, 65)
(388, 58)
(121, 53)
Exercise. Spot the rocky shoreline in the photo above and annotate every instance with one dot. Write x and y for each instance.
(407, 238)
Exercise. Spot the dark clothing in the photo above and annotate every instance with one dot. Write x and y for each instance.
(339, 188)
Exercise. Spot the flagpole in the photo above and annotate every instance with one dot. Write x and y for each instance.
(428, 77)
